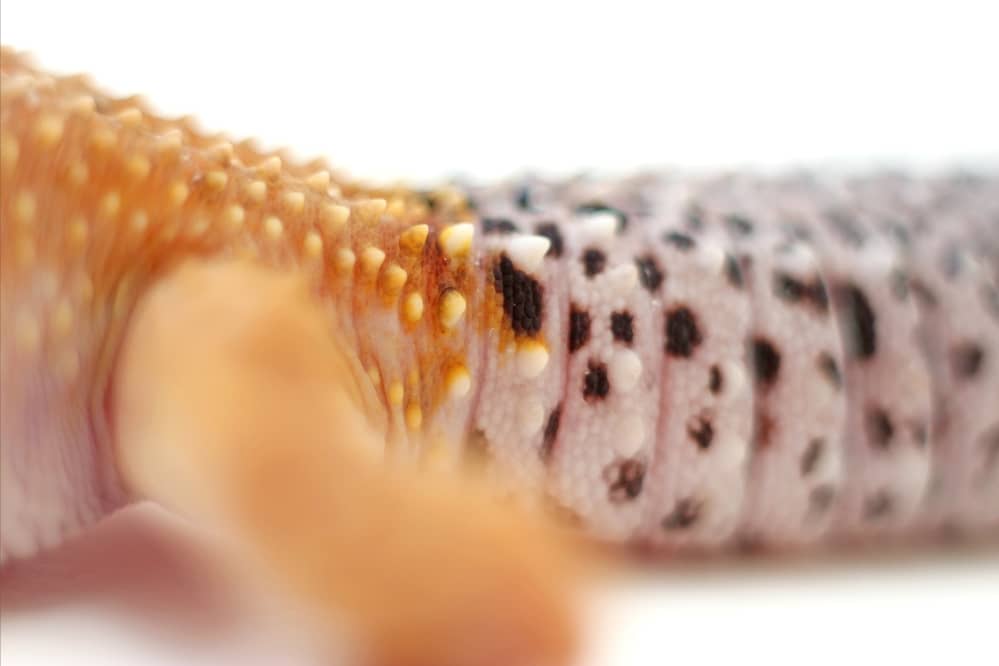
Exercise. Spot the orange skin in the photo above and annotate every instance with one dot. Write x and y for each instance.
(199, 316)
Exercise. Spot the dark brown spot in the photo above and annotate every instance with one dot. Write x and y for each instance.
(797, 232)
(739, 225)
(920, 434)
(733, 272)
(766, 362)
(550, 433)
(678, 240)
(792, 290)
(625, 479)
(498, 225)
(596, 386)
(685, 514)
(812, 455)
(694, 219)
(821, 498)
(860, 326)
(648, 273)
(880, 429)
(594, 262)
(966, 360)
(579, 328)
(523, 197)
(701, 431)
(830, 369)
(878, 505)
(682, 333)
(550, 231)
(622, 327)
(522, 296)
(715, 380)
(763, 431)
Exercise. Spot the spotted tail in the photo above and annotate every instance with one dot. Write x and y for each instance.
(683, 362)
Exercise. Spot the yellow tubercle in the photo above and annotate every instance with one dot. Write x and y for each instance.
(452, 308)
(414, 416)
(269, 167)
(216, 180)
(412, 307)
(457, 382)
(294, 202)
(395, 278)
(319, 181)
(371, 260)
(456, 240)
(345, 260)
(273, 227)
(413, 239)
(333, 218)
(395, 393)
(256, 191)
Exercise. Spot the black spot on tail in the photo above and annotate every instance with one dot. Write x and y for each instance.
(596, 385)
(622, 327)
(701, 431)
(733, 272)
(966, 360)
(523, 198)
(649, 273)
(594, 262)
(830, 369)
(550, 231)
(812, 455)
(625, 479)
(522, 298)
(685, 515)
(550, 433)
(879, 505)
(694, 219)
(792, 290)
(880, 429)
(739, 225)
(498, 225)
(682, 334)
(715, 380)
(678, 240)
(579, 328)
(860, 328)
(766, 362)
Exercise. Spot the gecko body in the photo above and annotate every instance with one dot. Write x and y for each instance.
(684, 362)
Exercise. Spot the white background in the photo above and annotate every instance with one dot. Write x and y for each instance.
(423, 90)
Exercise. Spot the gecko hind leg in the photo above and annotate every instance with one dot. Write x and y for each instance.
(233, 405)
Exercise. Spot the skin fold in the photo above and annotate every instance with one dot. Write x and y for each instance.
(180, 322)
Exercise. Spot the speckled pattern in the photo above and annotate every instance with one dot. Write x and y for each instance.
(678, 361)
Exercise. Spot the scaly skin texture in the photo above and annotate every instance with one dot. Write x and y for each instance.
(245, 340)
(690, 363)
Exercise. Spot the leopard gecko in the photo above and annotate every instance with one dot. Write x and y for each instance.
(686, 362)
